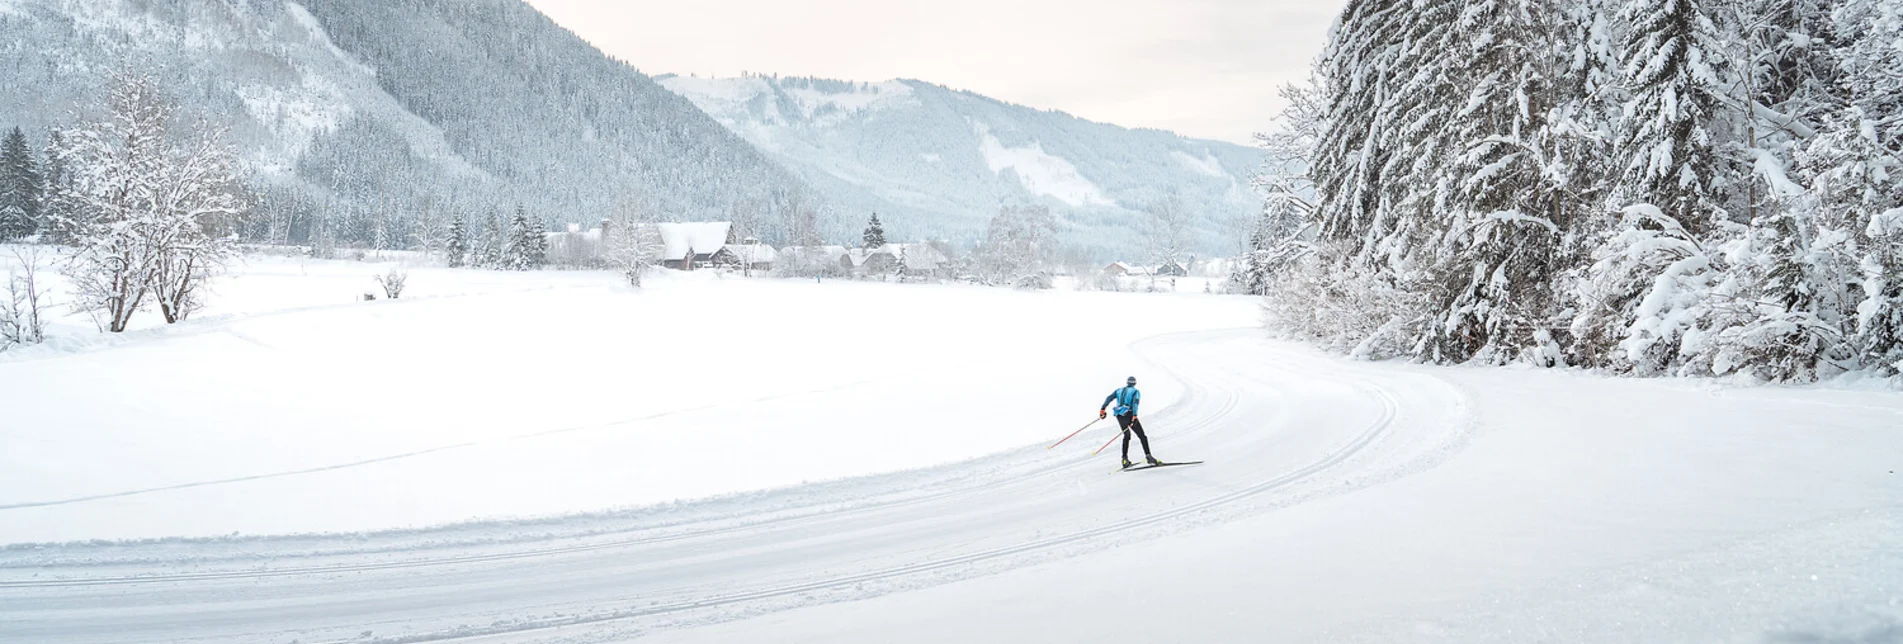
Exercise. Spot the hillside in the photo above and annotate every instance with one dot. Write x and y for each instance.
(353, 112)
(938, 162)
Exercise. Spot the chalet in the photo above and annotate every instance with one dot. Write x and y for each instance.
(813, 258)
(1171, 269)
(919, 259)
(687, 246)
(1117, 269)
(916, 259)
(751, 256)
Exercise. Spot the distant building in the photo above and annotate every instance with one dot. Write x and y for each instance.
(1172, 269)
(918, 260)
(1117, 269)
(751, 256)
(575, 247)
(687, 246)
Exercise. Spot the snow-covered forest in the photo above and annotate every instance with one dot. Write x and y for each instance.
(1695, 187)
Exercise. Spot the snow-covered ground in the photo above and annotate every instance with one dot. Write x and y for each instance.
(295, 408)
(791, 461)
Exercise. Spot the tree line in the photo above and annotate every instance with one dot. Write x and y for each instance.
(1693, 187)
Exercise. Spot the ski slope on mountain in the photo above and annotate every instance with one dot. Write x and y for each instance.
(868, 463)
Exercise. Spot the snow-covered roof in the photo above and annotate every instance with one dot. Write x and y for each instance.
(754, 253)
(813, 253)
(916, 256)
(701, 237)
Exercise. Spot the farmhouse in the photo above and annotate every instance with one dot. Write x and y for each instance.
(687, 246)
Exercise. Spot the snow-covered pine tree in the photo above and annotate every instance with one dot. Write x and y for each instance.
(1391, 76)
(526, 247)
(534, 242)
(874, 236)
(56, 194)
(20, 187)
(1509, 194)
(489, 246)
(1678, 72)
(1652, 276)
(456, 249)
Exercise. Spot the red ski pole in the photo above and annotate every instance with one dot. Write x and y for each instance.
(1113, 439)
(1080, 430)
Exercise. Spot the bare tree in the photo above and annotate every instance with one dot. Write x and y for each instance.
(632, 241)
(198, 213)
(153, 218)
(20, 320)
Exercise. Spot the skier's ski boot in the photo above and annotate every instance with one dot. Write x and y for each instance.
(1126, 463)
(1150, 459)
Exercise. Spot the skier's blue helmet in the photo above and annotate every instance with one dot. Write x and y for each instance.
(1132, 381)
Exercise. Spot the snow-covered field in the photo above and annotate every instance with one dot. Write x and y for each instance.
(294, 408)
(791, 461)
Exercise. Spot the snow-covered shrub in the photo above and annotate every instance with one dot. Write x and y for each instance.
(1648, 285)
(20, 319)
(1356, 312)
(393, 282)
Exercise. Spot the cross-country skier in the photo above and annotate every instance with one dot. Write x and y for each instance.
(1127, 399)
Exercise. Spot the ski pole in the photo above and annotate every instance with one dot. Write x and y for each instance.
(1113, 439)
(1080, 430)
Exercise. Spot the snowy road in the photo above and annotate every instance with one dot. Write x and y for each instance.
(1341, 502)
(1273, 436)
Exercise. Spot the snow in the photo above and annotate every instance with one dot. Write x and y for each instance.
(701, 237)
(1556, 507)
(730, 99)
(1205, 164)
(1041, 173)
(316, 31)
(829, 473)
(488, 394)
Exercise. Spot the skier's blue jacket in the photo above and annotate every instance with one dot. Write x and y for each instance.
(1126, 398)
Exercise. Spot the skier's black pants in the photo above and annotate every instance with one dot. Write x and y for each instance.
(1131, 424)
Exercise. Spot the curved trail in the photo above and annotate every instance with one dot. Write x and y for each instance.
(1277, 429)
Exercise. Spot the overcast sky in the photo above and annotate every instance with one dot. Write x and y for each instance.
(1204, 68)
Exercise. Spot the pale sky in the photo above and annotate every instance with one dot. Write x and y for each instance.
(1203, 68)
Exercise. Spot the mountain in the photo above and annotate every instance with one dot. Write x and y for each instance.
(366, 118)
(938, 162)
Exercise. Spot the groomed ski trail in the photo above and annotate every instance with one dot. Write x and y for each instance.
(1276, 426)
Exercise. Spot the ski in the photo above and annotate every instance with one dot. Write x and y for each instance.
(1134, 468)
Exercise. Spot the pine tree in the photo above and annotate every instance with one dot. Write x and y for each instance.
(20, 187)
(489, 246)
(527, 244)
(1390, 76)
(1677, 72)
(56, 195)
(457, 250)
(875, 233)
(1509, 192)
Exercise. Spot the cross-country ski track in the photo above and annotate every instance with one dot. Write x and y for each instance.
(1286, 433)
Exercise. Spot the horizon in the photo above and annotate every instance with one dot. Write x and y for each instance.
(1206, 69)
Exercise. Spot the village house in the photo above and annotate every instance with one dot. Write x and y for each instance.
(691, 245)
(750, 255)
(917, 260)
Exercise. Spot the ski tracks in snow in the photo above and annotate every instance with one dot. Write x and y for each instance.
(1279, 425)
